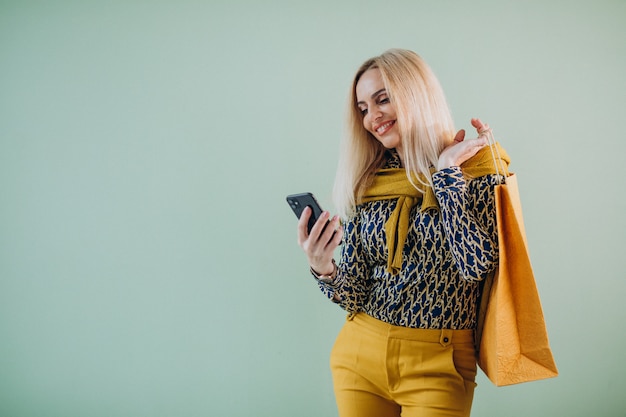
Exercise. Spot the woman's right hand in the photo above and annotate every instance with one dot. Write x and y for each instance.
(319, 245)
(461, 150)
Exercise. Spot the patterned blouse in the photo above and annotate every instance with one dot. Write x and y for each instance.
(448, 252)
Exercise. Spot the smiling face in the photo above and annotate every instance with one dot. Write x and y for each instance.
(379, 114)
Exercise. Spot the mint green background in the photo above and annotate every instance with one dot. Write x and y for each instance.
(148, 261)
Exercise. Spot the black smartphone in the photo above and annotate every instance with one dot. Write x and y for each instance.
(298, 202)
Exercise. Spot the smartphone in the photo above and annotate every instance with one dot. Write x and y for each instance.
(298, 202)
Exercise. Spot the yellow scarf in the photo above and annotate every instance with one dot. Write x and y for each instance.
(393, 183)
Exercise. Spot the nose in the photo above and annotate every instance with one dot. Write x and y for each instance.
(375, 114)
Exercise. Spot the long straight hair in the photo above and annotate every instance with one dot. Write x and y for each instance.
(423, 119)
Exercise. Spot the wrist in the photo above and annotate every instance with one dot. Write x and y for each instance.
(445, 163)
(325, 277)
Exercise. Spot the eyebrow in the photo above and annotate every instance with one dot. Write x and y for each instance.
(376, 94)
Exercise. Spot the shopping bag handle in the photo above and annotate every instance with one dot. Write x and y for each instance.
(501, 170)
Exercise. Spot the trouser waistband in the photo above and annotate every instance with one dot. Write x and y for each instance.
(443, 336)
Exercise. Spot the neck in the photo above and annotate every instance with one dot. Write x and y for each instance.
(400, 155)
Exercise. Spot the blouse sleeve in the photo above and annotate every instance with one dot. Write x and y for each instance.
(468, 214)
(351, 284)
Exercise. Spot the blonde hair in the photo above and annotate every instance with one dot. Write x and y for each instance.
(423, 118)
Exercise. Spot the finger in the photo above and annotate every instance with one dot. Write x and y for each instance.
(337, 237)
(479, 125)
(318, 227)
(330, 231)
(460, 135)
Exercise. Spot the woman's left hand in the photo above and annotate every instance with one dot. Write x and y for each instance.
(462, 150)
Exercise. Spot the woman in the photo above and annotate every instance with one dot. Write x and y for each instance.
(419, 236)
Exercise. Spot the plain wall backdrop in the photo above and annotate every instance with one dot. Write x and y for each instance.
(148, 260)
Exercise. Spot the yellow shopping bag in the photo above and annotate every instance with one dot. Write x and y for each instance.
(512, 338)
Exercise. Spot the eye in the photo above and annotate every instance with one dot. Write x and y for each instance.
(363, 111)
(384, 100)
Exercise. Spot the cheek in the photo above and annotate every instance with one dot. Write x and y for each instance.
(365, 122)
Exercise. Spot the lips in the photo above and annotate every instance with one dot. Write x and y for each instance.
(383, 128)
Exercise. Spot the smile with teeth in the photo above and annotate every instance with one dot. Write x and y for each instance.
(382, 129)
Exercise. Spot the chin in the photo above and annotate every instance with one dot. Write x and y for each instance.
(390, 143)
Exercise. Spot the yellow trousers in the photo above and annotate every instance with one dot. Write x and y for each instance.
(381, 370)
